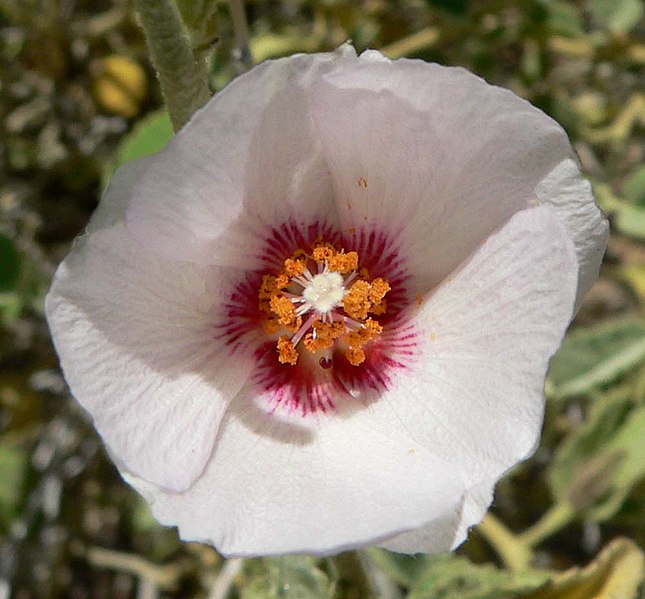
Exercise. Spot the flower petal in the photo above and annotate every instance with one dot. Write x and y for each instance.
(449, 530)
(136, 342)
(246, 162)
(571, 195)
(475, 395)
(444, 158)
(112, 207)
(276, 487)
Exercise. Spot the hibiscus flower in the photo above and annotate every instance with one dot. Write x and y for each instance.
(322, 316)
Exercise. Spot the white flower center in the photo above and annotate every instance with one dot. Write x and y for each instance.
(325, 291)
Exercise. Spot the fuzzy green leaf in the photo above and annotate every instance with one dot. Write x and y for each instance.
(402, 569)
(596, 355)
(603, 459)
(296, 576)
(449, 576)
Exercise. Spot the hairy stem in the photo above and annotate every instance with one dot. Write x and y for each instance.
(183, 79)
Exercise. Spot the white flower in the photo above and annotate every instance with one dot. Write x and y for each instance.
(322, 316)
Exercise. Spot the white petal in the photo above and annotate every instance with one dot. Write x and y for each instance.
(112, 207)
(136, 342)
(274, 487)
(435, 537)
(245, 163)
(439, 156)
(448, 531)
(572, 196)
(475, 395)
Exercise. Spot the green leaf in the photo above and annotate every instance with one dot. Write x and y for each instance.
(402, 569)
(629, 217)
(635, 187)
(13, 468)
(148, 136)
(600, 462)
(449, 576)
(630, 220)
(596, 355)
(616, 573)
(627, 445)
(563, 18)
(619, 16)
(9, 264)
(586, 442)
(294, 576)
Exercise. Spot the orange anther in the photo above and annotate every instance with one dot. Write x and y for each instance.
(356, 303)
(325, 335)
(284, 309)
(313, 344)
(378, 288)
(373, 328)
(355, 356)
(350, 323)
(343, 263)
(380, 308)
(268, 287)
(282, 281)
(293, 267)
(323, 253)
(287, 353)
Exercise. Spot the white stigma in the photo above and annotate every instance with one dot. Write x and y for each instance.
(325, 291)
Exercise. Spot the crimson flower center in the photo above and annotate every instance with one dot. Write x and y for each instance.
(320, 302)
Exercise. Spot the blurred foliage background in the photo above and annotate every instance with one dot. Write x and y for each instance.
(78, 96)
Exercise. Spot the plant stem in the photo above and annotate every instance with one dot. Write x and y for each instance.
(556, 518)
(377, 581)
(184, 81)
(223, 584)
(242, 35)
(515, 554)
(420, 40)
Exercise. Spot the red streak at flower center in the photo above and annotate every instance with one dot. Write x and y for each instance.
(321, 301)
